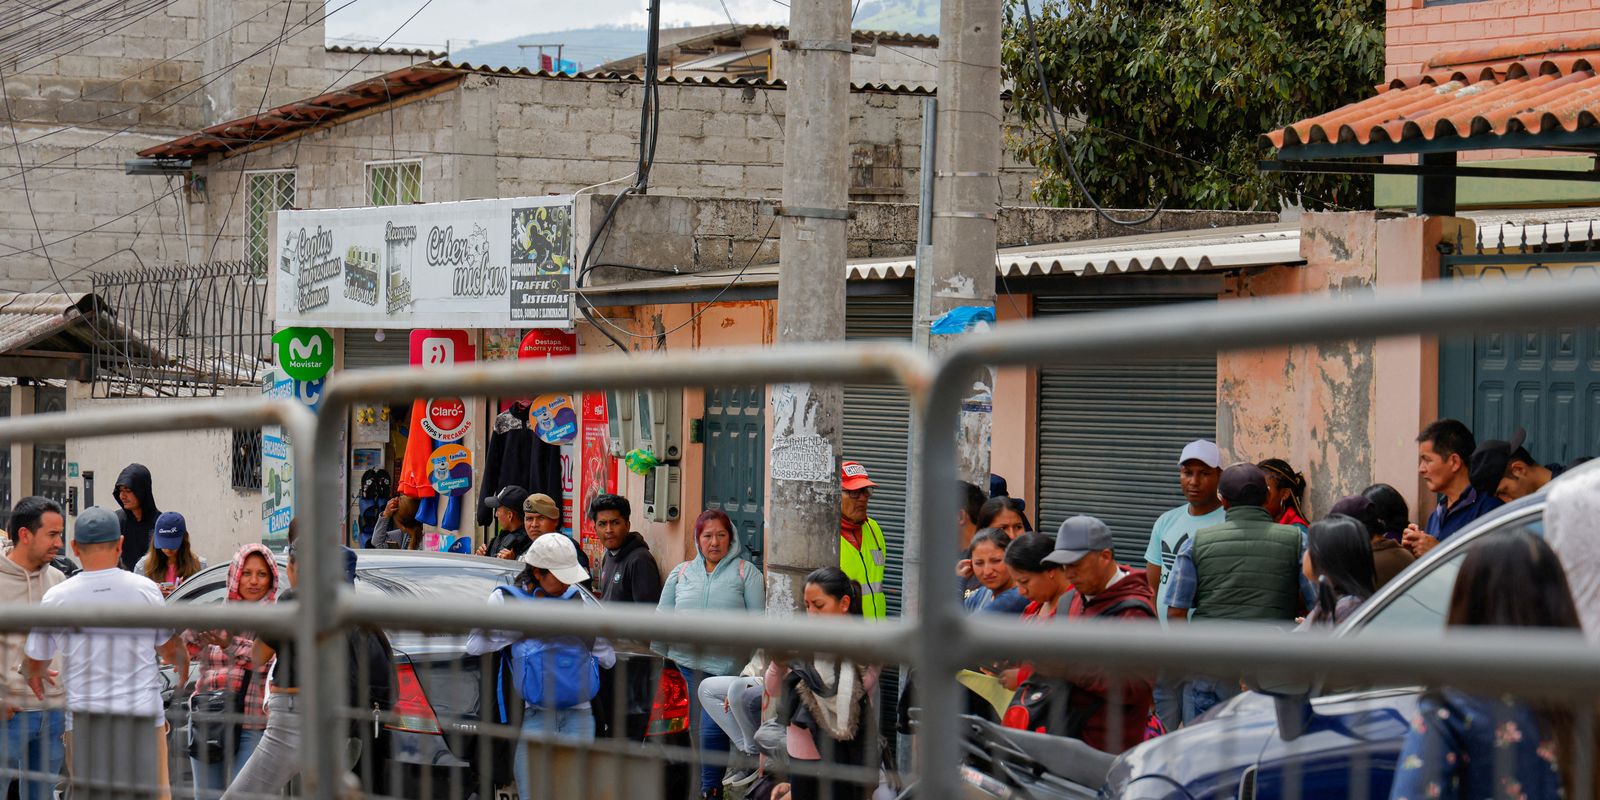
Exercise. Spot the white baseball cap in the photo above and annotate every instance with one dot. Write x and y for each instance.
(557, 553)
(1203, 451)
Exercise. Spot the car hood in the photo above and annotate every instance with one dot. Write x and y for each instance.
(1208, 758)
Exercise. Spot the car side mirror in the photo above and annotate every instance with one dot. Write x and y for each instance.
(1291, 699)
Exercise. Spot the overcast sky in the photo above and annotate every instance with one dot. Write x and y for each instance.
(497, 20)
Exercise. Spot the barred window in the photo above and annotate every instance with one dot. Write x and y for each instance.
(247, 459)
(266, 192)
(394, 183)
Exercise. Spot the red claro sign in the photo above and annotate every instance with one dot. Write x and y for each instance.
(446, 420)
(544, 343)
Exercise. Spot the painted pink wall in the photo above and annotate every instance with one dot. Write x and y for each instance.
(1012, 444)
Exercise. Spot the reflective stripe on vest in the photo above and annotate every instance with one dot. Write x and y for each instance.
(865, 566)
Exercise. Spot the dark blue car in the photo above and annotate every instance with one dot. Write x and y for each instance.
(1351, 744)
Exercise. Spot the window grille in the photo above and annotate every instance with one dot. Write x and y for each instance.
(247, 459)
(394, 183)
(267, 192)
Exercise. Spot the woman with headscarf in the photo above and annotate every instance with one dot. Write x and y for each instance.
(1286, 491)
(227, 710)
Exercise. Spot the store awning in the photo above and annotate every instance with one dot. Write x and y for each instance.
(1209, 250)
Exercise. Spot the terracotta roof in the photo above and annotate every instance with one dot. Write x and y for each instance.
(1500, 96)
(307, 113)
(330, 107)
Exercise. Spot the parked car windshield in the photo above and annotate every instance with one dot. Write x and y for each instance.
(1421, 608)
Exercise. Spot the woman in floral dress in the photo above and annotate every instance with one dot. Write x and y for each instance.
(1469, 746)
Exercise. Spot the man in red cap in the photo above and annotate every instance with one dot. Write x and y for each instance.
(863, 554)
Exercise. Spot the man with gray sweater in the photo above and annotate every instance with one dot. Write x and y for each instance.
(31, 727)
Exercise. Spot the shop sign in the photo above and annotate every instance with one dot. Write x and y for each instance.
(450, 470)
(446, 419)
(440, 348)
(546, 343)
(277, 455)
(499, 263)
(304, 354)
(556, 418)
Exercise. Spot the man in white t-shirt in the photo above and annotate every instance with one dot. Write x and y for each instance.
(1199, 471)
(113, 682)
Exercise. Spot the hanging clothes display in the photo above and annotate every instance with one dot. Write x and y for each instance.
(517, 457)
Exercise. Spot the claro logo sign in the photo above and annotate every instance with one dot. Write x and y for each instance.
(446, 420)
(305, 354)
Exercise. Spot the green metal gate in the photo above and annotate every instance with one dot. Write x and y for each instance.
(735, 459)
(1546, 381)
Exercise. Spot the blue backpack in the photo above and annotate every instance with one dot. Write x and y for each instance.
(553, 672)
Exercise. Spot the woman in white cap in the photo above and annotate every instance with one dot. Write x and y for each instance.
(554, 687)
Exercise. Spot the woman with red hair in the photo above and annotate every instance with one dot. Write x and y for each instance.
(719, 579)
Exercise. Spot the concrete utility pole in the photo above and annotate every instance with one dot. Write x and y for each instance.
(803, 514)
(957, 267)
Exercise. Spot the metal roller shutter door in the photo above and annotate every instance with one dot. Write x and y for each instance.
(361, 351)
(877, 424)
(1109, 435)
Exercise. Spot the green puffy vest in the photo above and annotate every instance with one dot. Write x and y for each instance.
(1248, 568)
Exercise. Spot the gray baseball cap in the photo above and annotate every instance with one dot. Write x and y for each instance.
(96, 525)
(1079, 536)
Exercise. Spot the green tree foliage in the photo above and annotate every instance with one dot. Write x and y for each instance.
(1167, 99)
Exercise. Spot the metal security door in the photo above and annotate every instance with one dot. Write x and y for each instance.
(1545, 381)
(735, 459)
(50, 458)
(1110, 434)
(877, 427)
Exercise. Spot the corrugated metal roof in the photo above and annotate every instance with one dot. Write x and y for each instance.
(1474, 95)
(330, 107)
(1179, 251)
(387, 51)
(29, 318)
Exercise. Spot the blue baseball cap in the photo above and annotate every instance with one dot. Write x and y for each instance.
(96, 525)
(170, 530)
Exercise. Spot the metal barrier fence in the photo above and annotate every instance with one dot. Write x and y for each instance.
(940, 638)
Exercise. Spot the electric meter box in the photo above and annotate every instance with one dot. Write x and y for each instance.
(661, 488)
(659, 423)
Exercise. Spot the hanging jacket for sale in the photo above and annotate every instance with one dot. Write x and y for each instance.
(518, 457)
(414, 471)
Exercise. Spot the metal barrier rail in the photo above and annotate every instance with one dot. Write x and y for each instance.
(942, 637)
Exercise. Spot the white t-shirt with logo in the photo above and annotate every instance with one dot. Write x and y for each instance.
(105, 670)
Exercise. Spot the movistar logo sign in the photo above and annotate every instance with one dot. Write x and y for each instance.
(304, 354)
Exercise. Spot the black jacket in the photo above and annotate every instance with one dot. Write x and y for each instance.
(629, 573)
(518, 457)
(136, 533)
(516, 541)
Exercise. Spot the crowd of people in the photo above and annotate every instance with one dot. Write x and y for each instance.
(1242, 549)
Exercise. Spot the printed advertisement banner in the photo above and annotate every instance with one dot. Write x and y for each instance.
(474, 264)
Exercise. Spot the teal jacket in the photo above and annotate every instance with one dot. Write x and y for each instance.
(734, 586)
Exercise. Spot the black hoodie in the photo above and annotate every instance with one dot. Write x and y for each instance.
(629, 573)
(136, 533)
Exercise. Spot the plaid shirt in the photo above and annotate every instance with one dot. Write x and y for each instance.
(229, 668)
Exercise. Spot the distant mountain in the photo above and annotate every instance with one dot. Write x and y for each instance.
(903, 16)
(591, 47)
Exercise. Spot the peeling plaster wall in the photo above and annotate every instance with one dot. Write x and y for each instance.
(1346, 414)
(1309, 404)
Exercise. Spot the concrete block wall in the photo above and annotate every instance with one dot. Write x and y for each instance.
(696, 234)
(559, 135)
(331, 167)
(1418, 29)
(80, 115)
